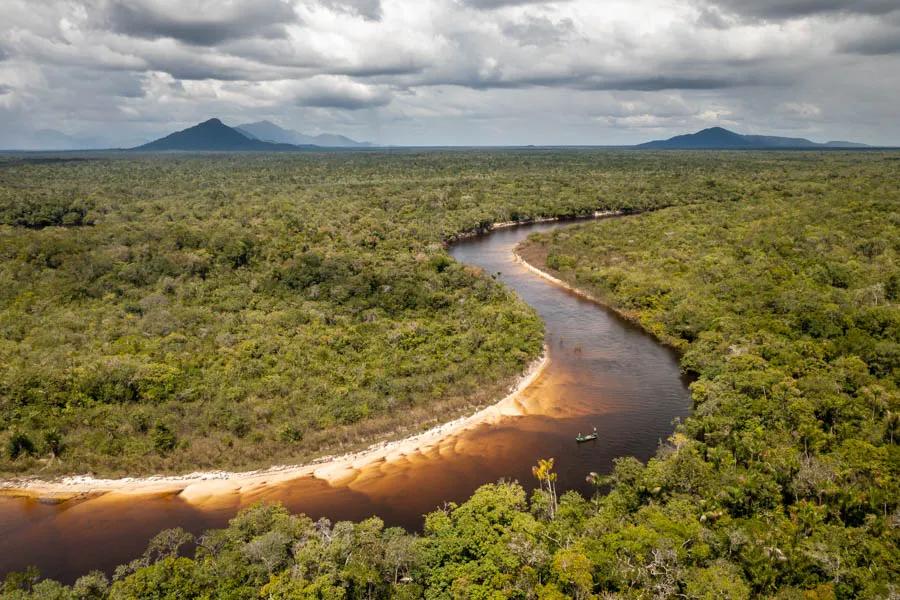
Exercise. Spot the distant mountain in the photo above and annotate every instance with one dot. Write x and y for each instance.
(214, 135)
(717, 138)
(270, 132)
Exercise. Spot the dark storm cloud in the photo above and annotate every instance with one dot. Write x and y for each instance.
(250, 18)
(5, 89)
(786, 9)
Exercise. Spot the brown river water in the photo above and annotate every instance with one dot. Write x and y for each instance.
(603, 372)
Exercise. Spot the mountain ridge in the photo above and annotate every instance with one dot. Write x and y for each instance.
(719, 138)
(268, 131)
(213, 135)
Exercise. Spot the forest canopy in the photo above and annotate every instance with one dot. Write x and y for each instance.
(776, 275)
(163, 314)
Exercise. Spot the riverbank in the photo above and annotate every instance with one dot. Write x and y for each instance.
(600, 373)
(195, 487)
(529, 254)
(331, 468)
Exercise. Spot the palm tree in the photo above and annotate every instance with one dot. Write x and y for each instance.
(543, 472)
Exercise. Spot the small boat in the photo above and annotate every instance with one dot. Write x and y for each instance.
(586, 438)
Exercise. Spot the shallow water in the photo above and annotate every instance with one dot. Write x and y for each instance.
(603, 373)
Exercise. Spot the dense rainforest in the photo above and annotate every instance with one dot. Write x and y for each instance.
(775, 274)
(174, 313)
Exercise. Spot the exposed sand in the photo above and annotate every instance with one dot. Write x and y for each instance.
(670, 342)
(556, 280)
(200, 487)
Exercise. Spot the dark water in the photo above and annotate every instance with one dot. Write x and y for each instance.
(603, 373)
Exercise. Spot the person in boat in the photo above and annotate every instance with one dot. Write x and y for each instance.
(590, 436)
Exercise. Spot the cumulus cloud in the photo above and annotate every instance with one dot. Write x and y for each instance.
(452, 71)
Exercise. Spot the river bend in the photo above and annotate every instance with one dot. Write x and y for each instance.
(603, 372)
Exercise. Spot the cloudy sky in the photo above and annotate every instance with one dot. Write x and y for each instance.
(430, 72)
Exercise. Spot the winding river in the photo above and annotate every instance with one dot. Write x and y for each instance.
(602, 372)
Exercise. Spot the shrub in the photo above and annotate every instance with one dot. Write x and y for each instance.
(164, 440)
(20, 444)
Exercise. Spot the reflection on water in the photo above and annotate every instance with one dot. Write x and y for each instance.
(603, 373)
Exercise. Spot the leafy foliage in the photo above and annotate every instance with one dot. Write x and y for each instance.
(269, 308)
(781, 305)
(782, 484)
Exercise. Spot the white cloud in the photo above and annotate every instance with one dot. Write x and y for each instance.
(800, 110)
(452, 71)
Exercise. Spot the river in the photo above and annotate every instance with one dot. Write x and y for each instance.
(603, 372)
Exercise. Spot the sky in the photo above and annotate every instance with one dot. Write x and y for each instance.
(116, 73)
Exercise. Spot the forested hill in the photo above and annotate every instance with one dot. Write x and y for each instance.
(778, 279)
